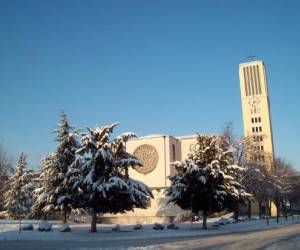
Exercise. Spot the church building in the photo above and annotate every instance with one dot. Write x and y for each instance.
(157, 152)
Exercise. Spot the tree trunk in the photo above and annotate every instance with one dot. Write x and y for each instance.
(94, 221)
(285, 211)
(204, 222)
(269, 207)
(259, 209)
(249, 209)
(64, 217)
(277, 213)
(236, 213)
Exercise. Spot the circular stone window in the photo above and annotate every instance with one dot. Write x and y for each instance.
(149, 156)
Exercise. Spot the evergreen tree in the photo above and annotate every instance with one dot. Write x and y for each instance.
(204, 182)
(55, 193)
(19, 192)
(6, 170)
(106, 186)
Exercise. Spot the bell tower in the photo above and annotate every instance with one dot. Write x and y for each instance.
(256, 107)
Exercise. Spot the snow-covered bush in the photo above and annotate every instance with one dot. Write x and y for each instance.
(138, 227)
(172, 226)
(158, 226)
(27, 227)
(116, 228)
(65, 228)
(44, 226)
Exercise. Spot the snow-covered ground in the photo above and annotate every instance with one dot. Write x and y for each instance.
(9, 230)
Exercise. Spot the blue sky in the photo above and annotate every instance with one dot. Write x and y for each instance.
(155, 66)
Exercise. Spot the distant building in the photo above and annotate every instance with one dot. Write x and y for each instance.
(256, 106)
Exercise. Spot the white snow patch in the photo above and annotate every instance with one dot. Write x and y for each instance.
(9, 230)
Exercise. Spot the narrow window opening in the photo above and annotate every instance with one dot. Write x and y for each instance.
(174, 152)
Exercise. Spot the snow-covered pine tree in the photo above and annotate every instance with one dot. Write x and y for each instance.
(199, 182)
(107, 187)
(18, 196)
(203, 182)
(6, 170)
(43, 194)
(56, 193)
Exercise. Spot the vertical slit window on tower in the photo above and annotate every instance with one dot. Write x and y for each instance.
(174, 152)
(258, 79)
(251, 81)
(259, 119)
(256, 129)
(252, 120)
(262, 148)
(245, 82)
(255, 81)
(253, 130)
(260, 129)
(255, 119)
(248, 81)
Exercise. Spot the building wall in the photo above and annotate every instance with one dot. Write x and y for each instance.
(173, 155)
(158, 212)
(158, 177)
(186, 143)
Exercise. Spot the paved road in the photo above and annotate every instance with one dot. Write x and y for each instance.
(287, 238)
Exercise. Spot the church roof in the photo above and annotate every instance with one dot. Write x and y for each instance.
(186, 136)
